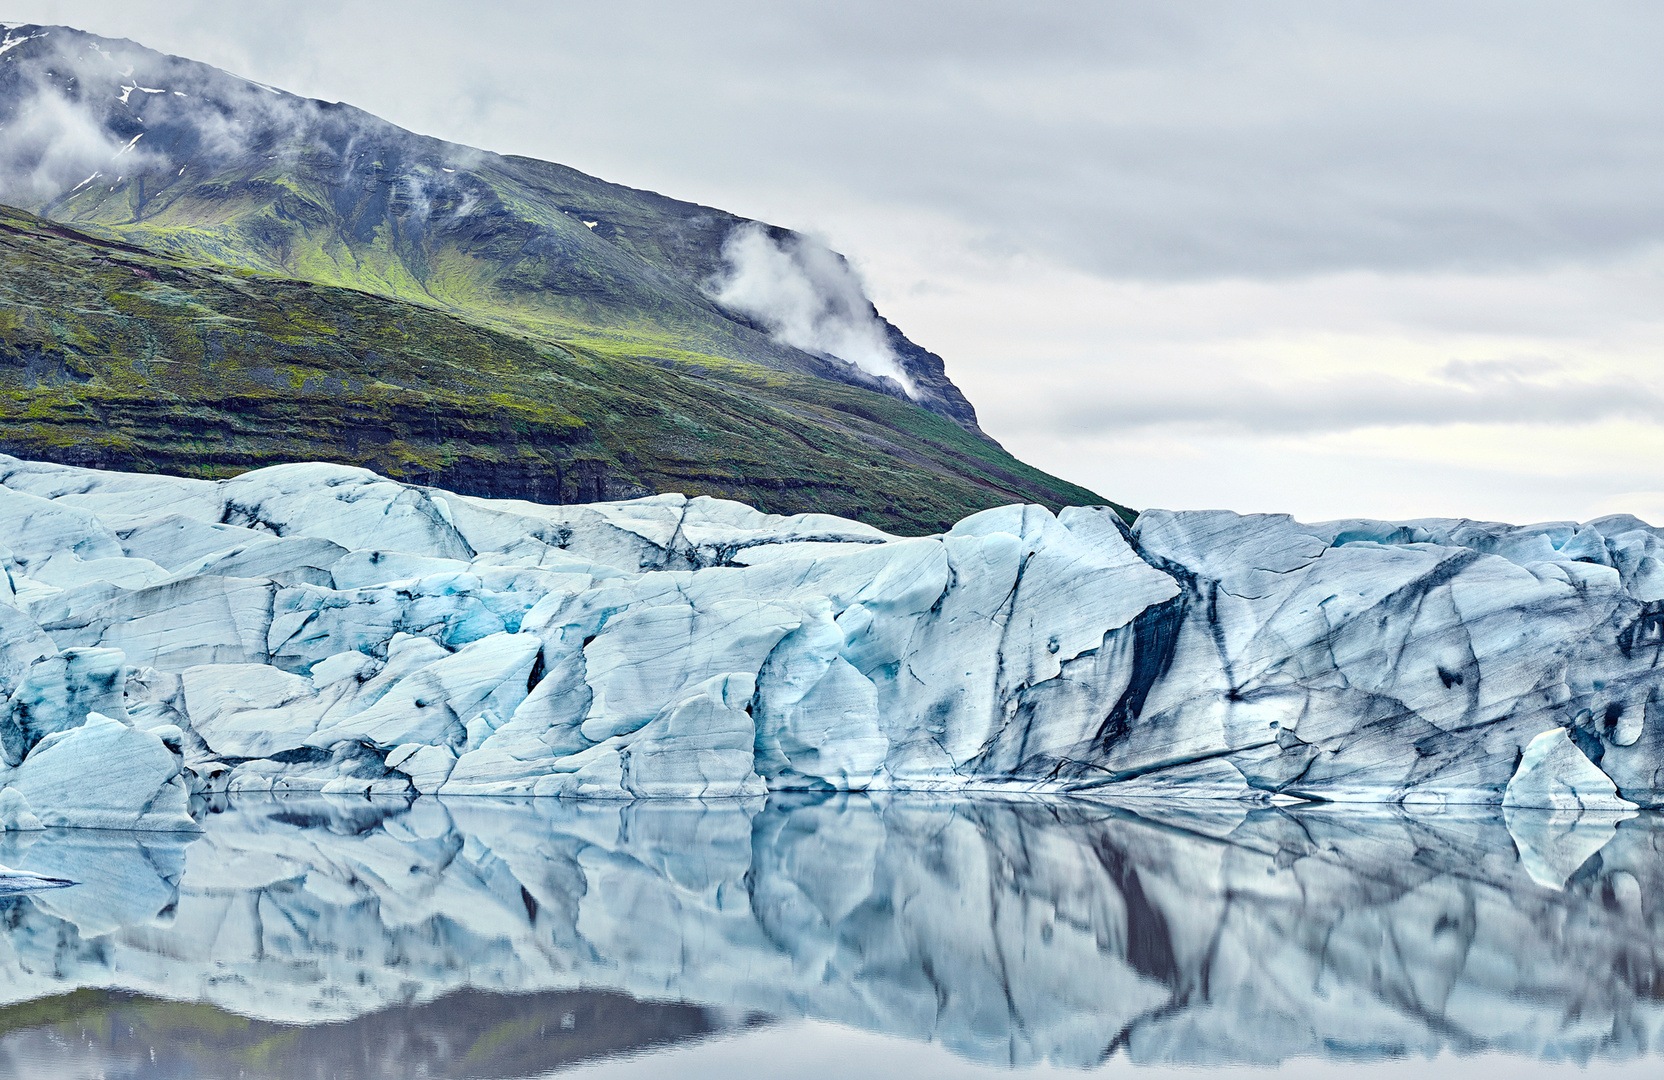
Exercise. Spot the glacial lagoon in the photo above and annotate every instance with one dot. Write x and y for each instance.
(797, 935)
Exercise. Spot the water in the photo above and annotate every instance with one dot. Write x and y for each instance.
(802, 937)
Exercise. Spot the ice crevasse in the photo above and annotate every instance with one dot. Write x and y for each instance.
(316, 627)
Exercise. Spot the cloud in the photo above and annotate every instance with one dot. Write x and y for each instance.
(51, 143)
(1188, 219)
(1141, 139)
(806, 296)
(1491, 372)
(79, 111)
(76, 109)
(1332, 405)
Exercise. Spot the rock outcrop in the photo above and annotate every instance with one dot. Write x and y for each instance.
(320, 628)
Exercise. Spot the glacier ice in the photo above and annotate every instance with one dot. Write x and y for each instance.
(15, 815)
(1554, 774)
(1584, 807)
(315, 627)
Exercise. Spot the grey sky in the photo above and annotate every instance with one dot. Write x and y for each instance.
(1155, 242)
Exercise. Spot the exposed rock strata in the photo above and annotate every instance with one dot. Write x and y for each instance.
(317, 627)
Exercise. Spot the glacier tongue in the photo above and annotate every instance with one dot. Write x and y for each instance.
(319, 628)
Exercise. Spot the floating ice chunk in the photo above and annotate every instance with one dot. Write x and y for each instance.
(103, 775)
(19, 881)
(1554, 844)
(1560, 808)
(15, 815)
(427, 766)
(1554, 774)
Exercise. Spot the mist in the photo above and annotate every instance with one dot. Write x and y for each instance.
(75, 109)
(807, 297)
(51, 143)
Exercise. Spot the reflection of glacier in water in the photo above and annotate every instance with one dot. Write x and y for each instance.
(1010, 932)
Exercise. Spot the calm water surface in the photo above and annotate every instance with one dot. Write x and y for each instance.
(803, 937)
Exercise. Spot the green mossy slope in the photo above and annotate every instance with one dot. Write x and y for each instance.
(117, 357)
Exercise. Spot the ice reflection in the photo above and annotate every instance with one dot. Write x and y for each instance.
(543, 932)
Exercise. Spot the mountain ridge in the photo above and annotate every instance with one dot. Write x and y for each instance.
(289, 270)
(355, 200)
(113, 356)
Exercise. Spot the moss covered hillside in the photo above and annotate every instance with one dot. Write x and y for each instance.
(203, 165)
(216, 275)
(115, 356)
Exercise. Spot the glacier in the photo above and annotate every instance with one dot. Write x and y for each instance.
(319, 628)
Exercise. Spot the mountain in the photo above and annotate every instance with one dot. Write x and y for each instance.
(497, 324)
(115, 357)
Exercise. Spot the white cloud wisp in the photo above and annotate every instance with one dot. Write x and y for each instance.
(808, 297)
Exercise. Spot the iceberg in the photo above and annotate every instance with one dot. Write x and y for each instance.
(319, 628)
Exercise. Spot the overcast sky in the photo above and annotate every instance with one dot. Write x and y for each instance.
(1379, 259)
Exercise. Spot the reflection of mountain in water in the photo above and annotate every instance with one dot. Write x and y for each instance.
(1008, 931)
(468, 1033)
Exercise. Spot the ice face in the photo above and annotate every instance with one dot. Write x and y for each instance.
(319, 628)
(1009, 931)
(1373, 661)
